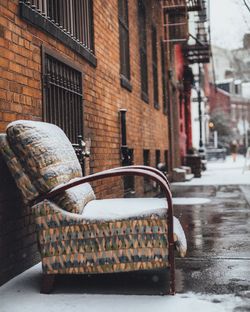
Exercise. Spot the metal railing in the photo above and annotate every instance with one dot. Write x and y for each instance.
(63, 97)
(74, 17)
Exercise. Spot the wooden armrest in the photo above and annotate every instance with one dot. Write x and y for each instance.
(152, 169)
(120, 171)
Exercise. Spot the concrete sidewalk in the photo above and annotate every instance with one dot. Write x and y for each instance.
(215, 275)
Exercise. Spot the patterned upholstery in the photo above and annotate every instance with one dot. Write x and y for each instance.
(23, 182)
(41, 159)
(75, 199)
(41, 153)
(71, 244)
(45, 153)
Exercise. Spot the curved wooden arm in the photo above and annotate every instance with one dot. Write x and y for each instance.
(152, 169)
(122, 171)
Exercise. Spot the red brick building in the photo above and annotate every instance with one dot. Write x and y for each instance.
(218, 99)
(105, 70)
(77, 64)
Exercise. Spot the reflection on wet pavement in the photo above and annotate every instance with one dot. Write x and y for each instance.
(218, 235)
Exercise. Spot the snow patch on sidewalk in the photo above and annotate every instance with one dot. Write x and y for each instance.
(21, 294)
(190, 201)
(225, 172)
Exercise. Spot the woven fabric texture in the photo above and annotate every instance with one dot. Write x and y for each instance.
(45, 153)
(75, 199)
(71, 244)
(28, 190)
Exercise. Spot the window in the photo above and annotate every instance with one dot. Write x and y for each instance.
(143, 49)
(70, 21)
(155, 68)
(166, 159)
(129, 181)
(146, 162)
(237, 89)
(124, 44)
(164, 78)
(157, 157)
(62, 95)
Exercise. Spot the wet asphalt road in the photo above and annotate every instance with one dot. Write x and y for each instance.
(218, 259)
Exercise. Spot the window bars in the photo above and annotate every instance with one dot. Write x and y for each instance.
(72, 17)
(63, 100)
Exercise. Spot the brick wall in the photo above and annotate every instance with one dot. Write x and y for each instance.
(21, 98)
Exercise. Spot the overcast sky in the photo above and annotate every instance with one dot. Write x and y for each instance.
(230, 19)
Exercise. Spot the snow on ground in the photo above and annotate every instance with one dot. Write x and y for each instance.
(223, 173)
(190, 200)
(21, 294)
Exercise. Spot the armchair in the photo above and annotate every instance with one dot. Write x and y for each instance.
(78, 234)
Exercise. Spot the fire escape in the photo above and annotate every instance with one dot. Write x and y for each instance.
(175, 24)
(175, 21)
(199, 51)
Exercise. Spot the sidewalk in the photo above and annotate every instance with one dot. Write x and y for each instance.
(223, 173)
(214, 277)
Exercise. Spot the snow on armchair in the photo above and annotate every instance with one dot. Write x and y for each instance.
(78, 234)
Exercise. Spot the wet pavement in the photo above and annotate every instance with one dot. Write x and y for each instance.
(218, 235)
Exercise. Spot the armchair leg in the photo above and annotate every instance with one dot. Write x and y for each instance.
(47, 283)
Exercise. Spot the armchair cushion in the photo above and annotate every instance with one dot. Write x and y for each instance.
(69, 243)
(28, 190)
(128, 208)
(74, 199)
(45, 153)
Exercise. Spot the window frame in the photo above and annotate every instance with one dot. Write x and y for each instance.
(123, 21)
(155, 66)
(35, 17)
(147, 183)
(165, 96)
(58, 56)
(142, 34)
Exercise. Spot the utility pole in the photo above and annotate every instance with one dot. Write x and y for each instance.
(199, 107)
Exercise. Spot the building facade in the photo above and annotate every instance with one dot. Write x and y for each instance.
(80, 65)
(103, 70)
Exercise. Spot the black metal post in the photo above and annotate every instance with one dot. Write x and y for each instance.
(200, 112)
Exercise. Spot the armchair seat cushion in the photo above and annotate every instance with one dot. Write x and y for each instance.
(123, 208)
(128, 208)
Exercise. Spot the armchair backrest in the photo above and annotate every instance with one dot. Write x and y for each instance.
(45, 153)
(23, 182)
(40, 158)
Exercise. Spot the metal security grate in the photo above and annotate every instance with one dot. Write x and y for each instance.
(63, 98)
(194, 5)
(73, 17)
